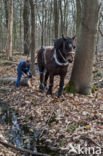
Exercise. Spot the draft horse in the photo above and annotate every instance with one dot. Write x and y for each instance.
(55, 60)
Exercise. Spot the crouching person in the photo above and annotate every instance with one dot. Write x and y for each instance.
(23, 69)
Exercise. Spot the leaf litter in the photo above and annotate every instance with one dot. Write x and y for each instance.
(64, 120)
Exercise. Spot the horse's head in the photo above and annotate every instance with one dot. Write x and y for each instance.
(65, 46)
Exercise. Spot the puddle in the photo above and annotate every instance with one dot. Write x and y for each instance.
(21, 135)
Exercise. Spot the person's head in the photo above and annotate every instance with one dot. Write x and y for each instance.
(27, 62)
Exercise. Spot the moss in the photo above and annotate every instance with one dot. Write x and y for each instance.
(70, 88)
(98, 74)
(94, 89)
(94, 65)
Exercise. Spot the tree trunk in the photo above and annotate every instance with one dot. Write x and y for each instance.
(26, 27)
(61, 17)
(56, 17)
(81, 76)
(42, 25)
(6, 12)
(10, 30)
(32, 34)
(78, 14)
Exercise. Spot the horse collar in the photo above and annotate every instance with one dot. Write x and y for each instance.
(57, 61)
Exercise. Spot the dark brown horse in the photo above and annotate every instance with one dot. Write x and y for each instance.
(55, 60)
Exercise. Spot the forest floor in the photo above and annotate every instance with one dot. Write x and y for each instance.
(75, 119)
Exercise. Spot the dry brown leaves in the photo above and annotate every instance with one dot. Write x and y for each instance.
(74, 115)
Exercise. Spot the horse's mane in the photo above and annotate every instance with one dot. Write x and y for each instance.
(57, 43)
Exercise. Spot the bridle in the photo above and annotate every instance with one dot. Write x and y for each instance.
(66, 62)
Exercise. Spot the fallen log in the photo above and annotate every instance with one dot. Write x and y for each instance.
(23, 82)
(22, 149)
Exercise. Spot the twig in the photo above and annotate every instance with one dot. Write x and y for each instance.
(49, 147)
(89, 139)
(22, 149)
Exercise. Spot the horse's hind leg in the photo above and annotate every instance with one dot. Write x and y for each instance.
(45, 80)
(50, 85)
(60, 91)
(41, 86)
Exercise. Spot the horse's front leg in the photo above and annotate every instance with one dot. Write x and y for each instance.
(41, 87)
(50, 85)
(60, 91)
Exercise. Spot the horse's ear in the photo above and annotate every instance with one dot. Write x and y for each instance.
(73, 37)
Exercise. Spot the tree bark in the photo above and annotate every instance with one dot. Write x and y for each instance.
(26, 27)
(10, 30)
(61, 17)
(81, 76)
(32, 34)
(6, 12)
(56, 17)
(78, 14)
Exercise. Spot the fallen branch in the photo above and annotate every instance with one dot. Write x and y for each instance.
(55, 149)
(22, 149)
(23, 82)
(3, 90)
(90, 140)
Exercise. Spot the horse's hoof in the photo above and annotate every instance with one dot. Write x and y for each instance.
(49, 92)
(41, 89)
(60, 94)
(45, 88)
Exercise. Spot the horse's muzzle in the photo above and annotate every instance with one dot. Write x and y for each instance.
(70, 58)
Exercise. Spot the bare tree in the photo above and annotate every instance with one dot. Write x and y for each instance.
(78, 18)
(56, 18)
(26, 27)
(32, 6)
(81, 77)
(6, 12)
(10, 30)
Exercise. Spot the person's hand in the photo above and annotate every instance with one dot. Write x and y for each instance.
(25, 75)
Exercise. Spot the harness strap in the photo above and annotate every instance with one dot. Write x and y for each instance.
(57, 61)
(62, 56)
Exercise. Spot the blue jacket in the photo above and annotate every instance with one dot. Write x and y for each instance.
(22, 67)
